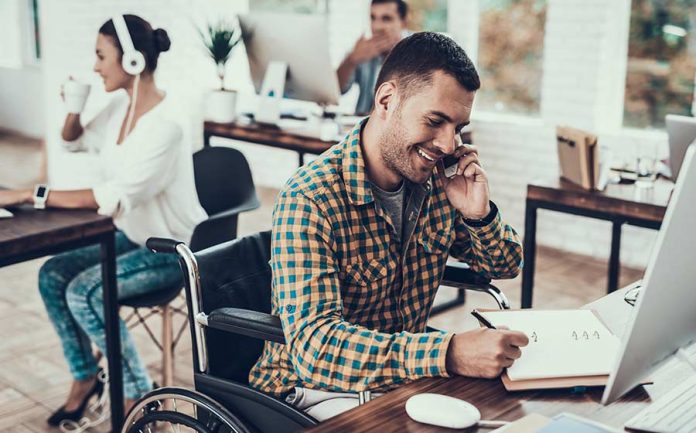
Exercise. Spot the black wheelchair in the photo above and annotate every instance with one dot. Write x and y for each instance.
(228, 293)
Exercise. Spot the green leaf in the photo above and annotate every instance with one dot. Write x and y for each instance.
(219, 40)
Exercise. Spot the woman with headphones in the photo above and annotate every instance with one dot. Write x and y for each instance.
(147, 187)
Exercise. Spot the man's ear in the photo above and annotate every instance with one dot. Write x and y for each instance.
(385, 97)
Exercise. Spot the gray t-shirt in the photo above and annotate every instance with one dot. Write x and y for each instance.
(392, 202)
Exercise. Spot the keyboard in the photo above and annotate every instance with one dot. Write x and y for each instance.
(675, 412)
(688, 355)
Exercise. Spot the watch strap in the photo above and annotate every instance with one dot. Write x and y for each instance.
(482, 222)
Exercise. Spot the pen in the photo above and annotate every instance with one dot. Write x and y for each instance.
(482, 319)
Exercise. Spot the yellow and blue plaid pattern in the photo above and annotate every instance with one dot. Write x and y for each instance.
(347, 324)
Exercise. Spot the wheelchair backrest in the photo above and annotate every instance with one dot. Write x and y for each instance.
(235, 274)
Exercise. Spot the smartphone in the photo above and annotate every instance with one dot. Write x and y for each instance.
(450, 162)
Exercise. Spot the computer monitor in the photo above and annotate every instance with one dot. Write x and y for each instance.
(682, 132)
(299, 40)
(664, 317)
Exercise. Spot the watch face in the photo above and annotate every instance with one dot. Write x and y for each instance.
(41, 191)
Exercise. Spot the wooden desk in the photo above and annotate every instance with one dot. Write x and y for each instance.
(620, 204)
(31, 234)
(386, 414)
(266, 135)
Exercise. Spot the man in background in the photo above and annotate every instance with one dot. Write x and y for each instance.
(363, 63)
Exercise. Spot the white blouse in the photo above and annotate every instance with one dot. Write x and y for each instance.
(147, 182)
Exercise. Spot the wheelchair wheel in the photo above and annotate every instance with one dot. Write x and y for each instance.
(180, 410)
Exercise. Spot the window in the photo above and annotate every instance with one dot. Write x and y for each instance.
(292, 6)
(661, 61)
(34, 37)
(19, 33)
(427, 15)
(10, 34)
(511, 39)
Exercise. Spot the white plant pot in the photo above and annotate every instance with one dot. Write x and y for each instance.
(221, 106)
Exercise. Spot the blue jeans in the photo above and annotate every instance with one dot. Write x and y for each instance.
(71, 288)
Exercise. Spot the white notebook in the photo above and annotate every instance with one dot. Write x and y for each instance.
(562, 343)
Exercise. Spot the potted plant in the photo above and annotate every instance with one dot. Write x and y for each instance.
(219, 40)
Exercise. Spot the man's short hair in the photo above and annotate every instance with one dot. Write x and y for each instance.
(401, 6)
(414, 60)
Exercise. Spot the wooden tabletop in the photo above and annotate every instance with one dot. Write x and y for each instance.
(34, 232)
(623, 200)
(387, 414)
(268, 135)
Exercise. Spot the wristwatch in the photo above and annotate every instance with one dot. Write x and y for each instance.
(482, 222)
(40, 196)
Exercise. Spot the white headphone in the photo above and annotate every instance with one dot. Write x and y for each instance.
(133, 61)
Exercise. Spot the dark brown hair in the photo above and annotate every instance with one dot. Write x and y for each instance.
(412, 62)
(146, 40)
(401, 6)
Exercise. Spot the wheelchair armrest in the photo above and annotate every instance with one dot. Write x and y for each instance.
(461, 273)
(251, 323)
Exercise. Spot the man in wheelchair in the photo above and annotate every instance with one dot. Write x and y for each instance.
(361, 236)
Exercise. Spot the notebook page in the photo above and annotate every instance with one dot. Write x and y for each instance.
(562, 343)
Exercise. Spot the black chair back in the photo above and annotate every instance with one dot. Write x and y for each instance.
(235, 274)
(225, 188)
(223, 179)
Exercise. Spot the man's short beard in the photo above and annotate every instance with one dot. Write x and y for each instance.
(391, 147)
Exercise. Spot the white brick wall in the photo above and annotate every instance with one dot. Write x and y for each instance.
(584, 62)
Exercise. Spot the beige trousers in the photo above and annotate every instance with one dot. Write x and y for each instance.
(322, 405)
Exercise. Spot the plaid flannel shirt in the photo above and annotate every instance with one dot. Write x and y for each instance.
(353, 301)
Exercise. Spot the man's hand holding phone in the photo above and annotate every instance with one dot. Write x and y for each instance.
(466, 183)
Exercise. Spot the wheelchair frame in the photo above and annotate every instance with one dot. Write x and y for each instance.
(456, 275)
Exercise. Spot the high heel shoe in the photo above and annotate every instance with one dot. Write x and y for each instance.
(74, 415)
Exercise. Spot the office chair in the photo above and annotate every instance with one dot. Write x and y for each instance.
(228, 291)
(225, 189)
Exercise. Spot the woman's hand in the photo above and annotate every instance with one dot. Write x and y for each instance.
(15, 197)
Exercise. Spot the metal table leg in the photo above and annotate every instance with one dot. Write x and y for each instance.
(111, 319)
(529, 249)
(614, 262)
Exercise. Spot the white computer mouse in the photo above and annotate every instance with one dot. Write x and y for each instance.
(442, 411)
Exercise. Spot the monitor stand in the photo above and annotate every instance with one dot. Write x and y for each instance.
(272, 93)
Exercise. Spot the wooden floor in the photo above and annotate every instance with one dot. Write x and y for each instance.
(34, 377)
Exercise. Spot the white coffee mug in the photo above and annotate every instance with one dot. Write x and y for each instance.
(75, 95)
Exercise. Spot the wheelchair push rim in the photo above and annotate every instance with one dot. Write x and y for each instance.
(179, 410)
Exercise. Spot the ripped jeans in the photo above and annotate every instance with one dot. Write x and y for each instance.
(71, 288)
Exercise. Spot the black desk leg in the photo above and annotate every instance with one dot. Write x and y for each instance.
(113, 342)
(614, 262)
(529, 249)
